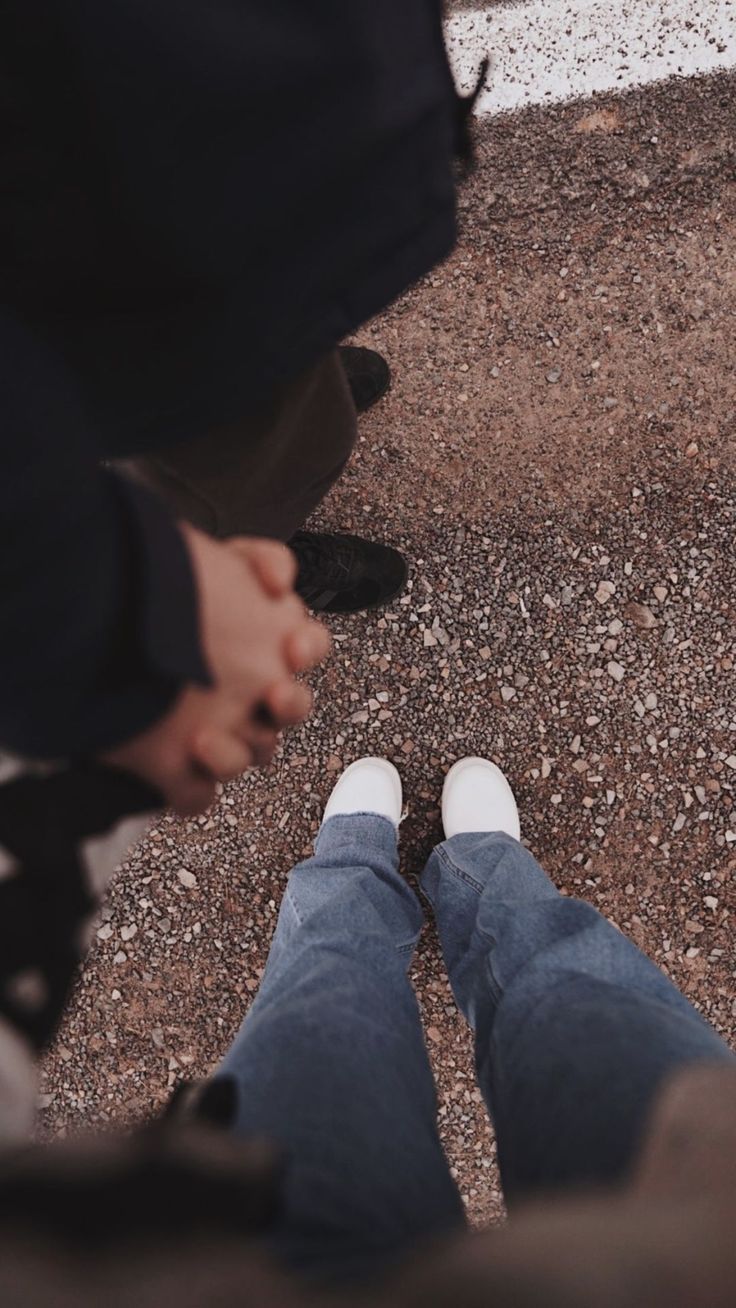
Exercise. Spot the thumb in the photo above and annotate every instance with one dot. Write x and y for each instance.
(273, 563)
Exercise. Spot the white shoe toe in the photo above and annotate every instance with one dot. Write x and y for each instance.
(372, 785)
(477, 797)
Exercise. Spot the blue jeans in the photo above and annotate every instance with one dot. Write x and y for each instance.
(575, 1031)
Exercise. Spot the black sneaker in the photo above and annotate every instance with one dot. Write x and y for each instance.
(345, 574)
(368, 374)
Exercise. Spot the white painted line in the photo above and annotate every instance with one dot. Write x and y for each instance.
(546, 51)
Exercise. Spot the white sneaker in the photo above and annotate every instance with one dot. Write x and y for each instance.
(477, 797)
(372, 785)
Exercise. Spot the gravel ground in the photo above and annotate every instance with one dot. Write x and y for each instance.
(556, 456)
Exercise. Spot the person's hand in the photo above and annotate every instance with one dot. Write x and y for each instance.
(256, 636)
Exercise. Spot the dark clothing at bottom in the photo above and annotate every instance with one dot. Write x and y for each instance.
(265, 474)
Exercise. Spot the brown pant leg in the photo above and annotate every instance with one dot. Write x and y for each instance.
(264, 474)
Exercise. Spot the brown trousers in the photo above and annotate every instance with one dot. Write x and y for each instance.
(264, 474)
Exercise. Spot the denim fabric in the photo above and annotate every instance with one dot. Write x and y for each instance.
(575, 1028)
(575, 1031)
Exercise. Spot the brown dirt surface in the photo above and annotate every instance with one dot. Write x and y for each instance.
(556, 456)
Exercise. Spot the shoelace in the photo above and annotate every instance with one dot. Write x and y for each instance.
(319, 567)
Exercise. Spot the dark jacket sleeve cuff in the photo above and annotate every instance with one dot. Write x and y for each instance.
(156, 649)
(141, 645)
(167, 601)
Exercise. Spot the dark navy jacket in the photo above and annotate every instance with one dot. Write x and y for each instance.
(197, 199)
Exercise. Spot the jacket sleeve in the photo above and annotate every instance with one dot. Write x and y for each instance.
(98, 608)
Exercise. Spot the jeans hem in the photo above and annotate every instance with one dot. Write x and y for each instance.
(359, 813)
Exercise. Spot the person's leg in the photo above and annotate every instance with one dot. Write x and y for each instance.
(331, 1064)
(262, 475)
(576, 1030)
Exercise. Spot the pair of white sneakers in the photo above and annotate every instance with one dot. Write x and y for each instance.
(476, 796)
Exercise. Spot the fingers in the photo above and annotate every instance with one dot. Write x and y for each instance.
(262, 736)
(221, 755)
(305, 647)
(273, 563)
(275, 568)
(288, 702)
